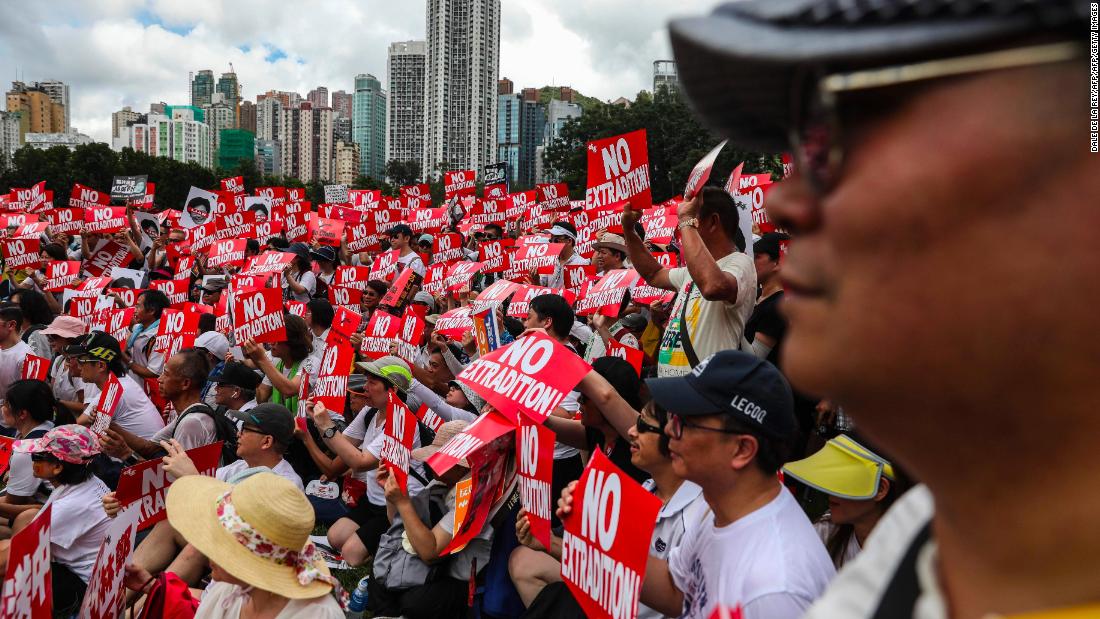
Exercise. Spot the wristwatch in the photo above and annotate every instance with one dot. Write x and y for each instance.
(329, 433)
(693, 222)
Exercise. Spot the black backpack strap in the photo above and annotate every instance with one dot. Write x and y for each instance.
(685, 339)
(900, 597)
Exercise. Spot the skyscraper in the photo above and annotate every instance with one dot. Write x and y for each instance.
(40, 113)
(179, 135)
(463, 54)
(521, 127)
(342, 102)
(58, 92)
(405, 110)
(11, 138)
(318, 97)
(369, 125)
(248, 116)
(306, 143)
(219, 115)
(202, 87)
(231, 88)
(346, 162)
(268, 113)
(121, 118)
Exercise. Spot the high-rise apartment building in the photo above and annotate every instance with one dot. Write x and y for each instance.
(405, 68)
(521, 128)
(231, 89)
(463, 54)
(342, 128)
(318, 97)
(557, 114)
(286, 99)
(269, 157)
(180, 135)
(369, 125)
(268, 112)
(306, 141)
(122, 118)
(40, 113)
(219, 114)
(346, 163)
(248, 116)
(58, 92)
(11, 138)
(343, 103)
(202, 88)
(664, 75)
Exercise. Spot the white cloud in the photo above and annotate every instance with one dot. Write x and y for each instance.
(135, 52)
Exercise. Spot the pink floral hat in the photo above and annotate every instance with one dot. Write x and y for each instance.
(71, 443)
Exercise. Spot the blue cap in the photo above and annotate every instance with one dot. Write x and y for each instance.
(733, 383)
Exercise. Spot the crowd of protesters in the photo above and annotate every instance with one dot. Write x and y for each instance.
(765, 491)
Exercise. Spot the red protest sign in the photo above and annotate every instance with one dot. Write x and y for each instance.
(488, 212)
(67, 220)
(493, 254)
(601, 544)
(494, 294)
(618, 169)
(330, 387)
(430, 220)
(534, 464)
(459, 183)
(202, 236)
(119, 321)
(342, 295)
(418, 190)
(433, 278)
(381, 331)
(268, 262)
(447, 247)
(554, 197)
(35, 368)
(518, 204)
(227, 253)
(178, 330)
(577, 274)
(21, 254)
(258, 315)
(606, 295)
(412, 331)
(128, 296)
(385, 264)
(532, 374)
(109, 397)
(459, 275)
(108, 256)
(234, 184)
(540, 257)
(521, 300)
(344, 322)
(724, 612)
(397, 440)
(481, 432)
(297, 308)
(759, 213)
(15, 220)
(82, 307)
(6, 443)
(146, 483)
(455, 323)
(85, 197)
(426, 416)
(326, 231)
(351, 277)
(631, 355)
(487, 479)
(362, 236)
(364, 197)
(660, 224)
(236, 225)
(401, 292)
(104, 219)
(175, 289)
(28, 585)
(701, 172)
(105, 595)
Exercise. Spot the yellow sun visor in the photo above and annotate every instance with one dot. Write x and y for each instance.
(843, 468)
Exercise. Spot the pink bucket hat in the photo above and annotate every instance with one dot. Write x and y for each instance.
(66, 326)
(70, 443)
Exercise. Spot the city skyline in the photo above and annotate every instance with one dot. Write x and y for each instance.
(133, 54)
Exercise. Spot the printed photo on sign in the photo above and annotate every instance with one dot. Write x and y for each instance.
(199, 207)
(126, 187)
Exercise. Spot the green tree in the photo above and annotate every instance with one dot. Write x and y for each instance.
(403, 172)
(675, 139)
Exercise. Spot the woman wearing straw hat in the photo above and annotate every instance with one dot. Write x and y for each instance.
(861, 486)
(256, 536)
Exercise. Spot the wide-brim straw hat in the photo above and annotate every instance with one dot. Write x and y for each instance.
(272, 505)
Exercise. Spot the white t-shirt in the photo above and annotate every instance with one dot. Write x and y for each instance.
(11, 365)
(826, 529)
(414, 262)
(222, 600)
(135, 413)
(769, 562)
(685, 512)
(371, 438)
(153, 361)
(557, 280)
(570, 403)
(308, 281)
(198, 429)
(21, 479)
(65, 386)
(283, 468)
(712, 325)
(78, 525)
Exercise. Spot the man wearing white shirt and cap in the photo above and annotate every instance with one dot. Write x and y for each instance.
(562, 232)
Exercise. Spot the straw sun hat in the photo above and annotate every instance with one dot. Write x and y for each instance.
(257, 531)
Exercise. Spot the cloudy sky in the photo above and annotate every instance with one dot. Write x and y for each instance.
(134, 52)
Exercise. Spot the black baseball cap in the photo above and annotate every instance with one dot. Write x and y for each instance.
(403, 229)
(237, 374)
(733, 383)
(271, 418)
(741, 66)
(299, 249)
(769, 244)
(96, 345)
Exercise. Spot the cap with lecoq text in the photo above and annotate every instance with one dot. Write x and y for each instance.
(733, 383)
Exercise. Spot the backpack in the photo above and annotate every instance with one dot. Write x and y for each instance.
(168, 598)
(225, 428)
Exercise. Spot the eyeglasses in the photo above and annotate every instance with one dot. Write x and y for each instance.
(43, 457)
(642, 427)
(816, 133)
(244, 429)
(676, 425)
(83, 361)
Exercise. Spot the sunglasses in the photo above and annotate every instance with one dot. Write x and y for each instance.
(43, 457)
(816, 135)
(252, 430)
(676, 425)
(642, 427)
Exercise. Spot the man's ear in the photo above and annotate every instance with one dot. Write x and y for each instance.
(747, 448)
(884, 485)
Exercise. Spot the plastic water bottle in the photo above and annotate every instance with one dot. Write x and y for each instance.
(358, 602)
